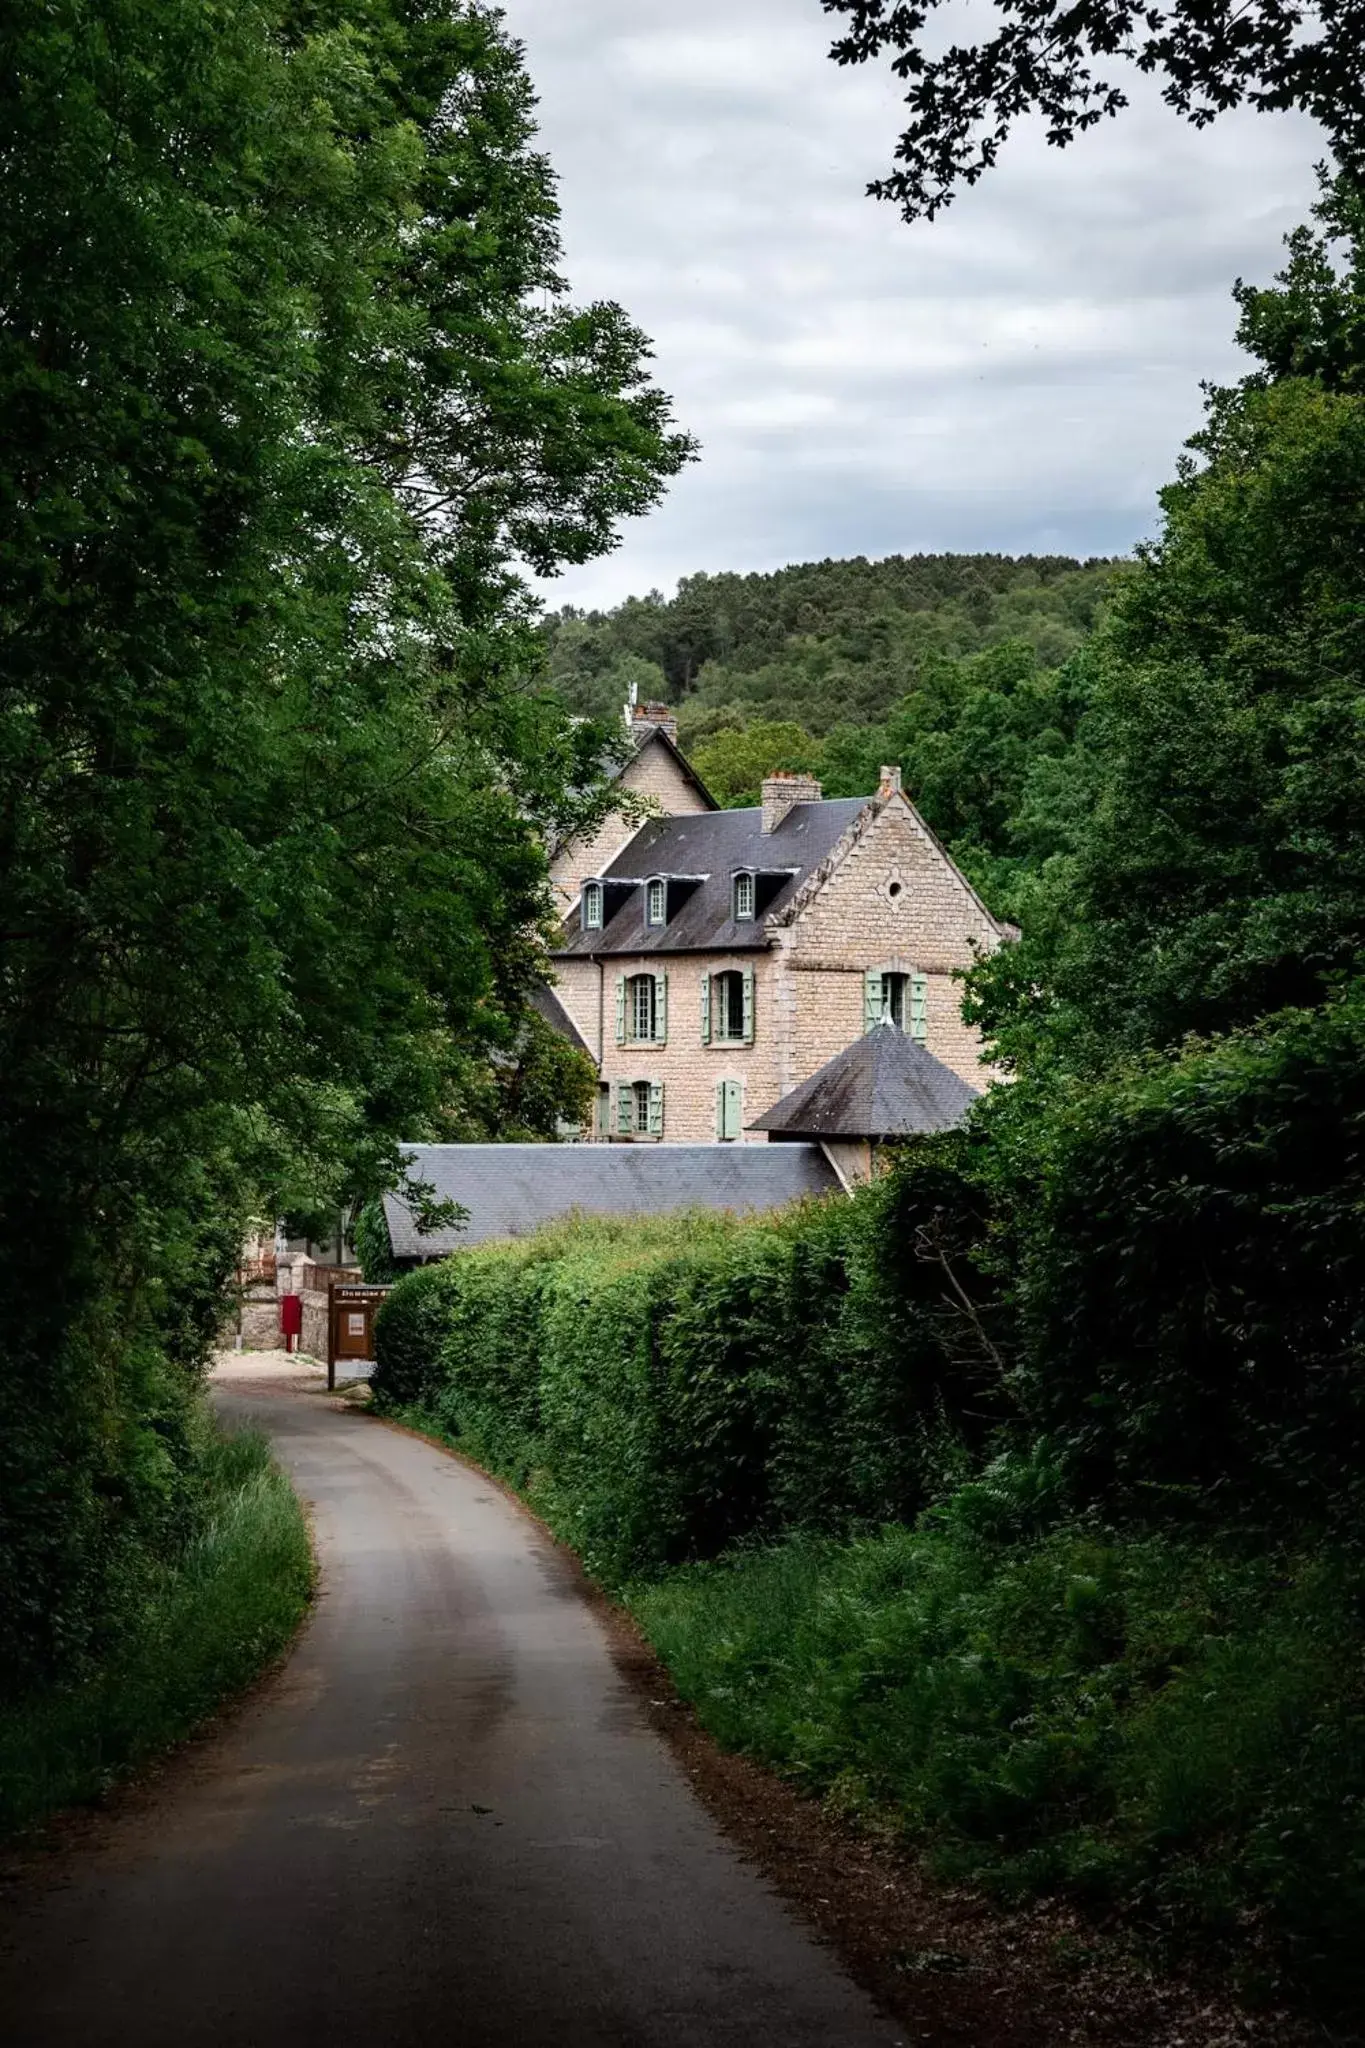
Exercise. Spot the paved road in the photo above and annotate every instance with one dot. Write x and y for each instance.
(445, 1821)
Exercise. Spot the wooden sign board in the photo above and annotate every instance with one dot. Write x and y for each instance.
(350, 1324)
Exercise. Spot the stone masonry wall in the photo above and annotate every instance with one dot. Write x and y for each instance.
(576, 984)
(652, 773)
(893, 901)
(688, 1068)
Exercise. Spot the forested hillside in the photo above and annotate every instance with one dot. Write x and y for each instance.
(962, 669)
(821, 643)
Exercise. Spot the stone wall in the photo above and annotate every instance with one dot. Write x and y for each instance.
(258, 1319)
(314, 1338)
(891, 899)
(688, 1067)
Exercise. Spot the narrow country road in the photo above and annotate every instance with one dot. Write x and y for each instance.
(445, 1821)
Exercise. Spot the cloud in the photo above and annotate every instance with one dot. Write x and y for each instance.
(1018, 375)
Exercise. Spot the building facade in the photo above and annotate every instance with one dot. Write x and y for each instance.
(717, 959)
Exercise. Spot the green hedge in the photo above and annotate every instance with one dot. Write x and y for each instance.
(1191, 1276)
(666, 1386)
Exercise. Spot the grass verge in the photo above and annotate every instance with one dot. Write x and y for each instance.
(1155, 1729)
(211, 1622)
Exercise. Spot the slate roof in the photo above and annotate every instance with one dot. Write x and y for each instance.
(510, 1190)
(542, 998)
(884, 1085)
(713, 844)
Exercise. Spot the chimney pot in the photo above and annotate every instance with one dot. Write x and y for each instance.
(783, 788)
(890, 783)
(645, 718)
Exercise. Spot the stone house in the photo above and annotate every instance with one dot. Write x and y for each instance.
(714, 960)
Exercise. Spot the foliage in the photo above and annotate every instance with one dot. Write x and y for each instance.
(1213, 869)
(965, 98)
(820, 643)
(1190, 1279)
(410, 1324)
(292, 389)
(1158, 1726)
(666, 1386)
(370, 1238)
(525, 1094)
(212, 1615)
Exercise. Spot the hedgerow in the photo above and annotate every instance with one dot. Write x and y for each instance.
(667, 1386)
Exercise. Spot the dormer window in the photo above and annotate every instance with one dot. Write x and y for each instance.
(744, 897)
(592, 907)
(656, 901)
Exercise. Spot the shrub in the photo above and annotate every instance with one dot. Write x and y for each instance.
(407, 1336)
(666, 1386)
(1191, 1276)
(1162, 1726)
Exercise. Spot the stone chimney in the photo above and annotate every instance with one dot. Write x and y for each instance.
(643, 719)
(890, 784)
(783, 788)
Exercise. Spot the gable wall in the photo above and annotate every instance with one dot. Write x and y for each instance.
(653, 773)
(851, 923)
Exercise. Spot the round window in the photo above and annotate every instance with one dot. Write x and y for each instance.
(893, 889)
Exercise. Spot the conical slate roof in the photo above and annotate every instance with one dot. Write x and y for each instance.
(885, 1085)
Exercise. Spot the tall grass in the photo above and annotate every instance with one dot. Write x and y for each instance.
(1141, 1723)
(208, 1624)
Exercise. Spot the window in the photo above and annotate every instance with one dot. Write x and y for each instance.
(641, 1008)
(640, 1109)
(744, 898)
(656, 902)
(894, 997)
(731, 1007)
(729, 1113)
(592, 906)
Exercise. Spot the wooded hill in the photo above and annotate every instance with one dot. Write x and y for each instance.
(821, 642)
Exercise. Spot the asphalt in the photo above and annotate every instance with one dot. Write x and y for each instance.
(445, 1820)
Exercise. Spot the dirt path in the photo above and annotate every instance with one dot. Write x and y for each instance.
(447, 1820)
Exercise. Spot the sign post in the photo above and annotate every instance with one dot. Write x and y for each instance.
(350, 1324)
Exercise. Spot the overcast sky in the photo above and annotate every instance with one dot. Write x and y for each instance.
(1017, 375)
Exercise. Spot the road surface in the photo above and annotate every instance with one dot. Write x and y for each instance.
(445, 1821)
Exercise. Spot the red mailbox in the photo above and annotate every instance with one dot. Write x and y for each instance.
(291, 1319)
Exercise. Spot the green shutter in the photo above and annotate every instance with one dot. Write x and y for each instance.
(873, 998)
(748, 1006)
(661, 1009)
(706, 1009)
(620, 1009)
(728, 1097)
(625, 1110)
(656, 1109)
(919, 1007)
(720, 1109)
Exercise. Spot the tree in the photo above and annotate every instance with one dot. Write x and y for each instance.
(734, 761)
(1216, 866)
(965, 99)
(292, 391)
